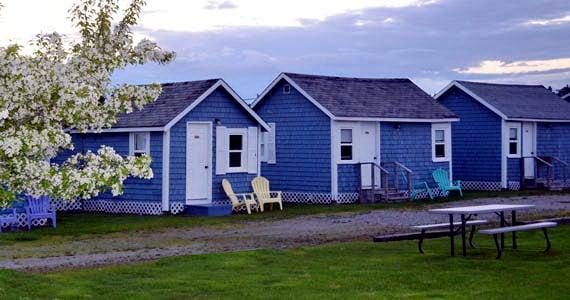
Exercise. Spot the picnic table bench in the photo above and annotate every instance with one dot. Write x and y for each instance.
(424, 228)
(532, 226)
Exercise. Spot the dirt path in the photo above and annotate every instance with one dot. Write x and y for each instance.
(287, 233)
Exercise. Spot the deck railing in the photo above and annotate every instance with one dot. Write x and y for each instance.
(541, 163)
(383, 176)
(389, 173)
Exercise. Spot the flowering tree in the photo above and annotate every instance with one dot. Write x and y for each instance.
(64, 87)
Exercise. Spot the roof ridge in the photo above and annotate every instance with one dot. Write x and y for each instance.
(188, 82)
(345, 77)
(500, 84)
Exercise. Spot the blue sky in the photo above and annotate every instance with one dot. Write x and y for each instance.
(248, 42)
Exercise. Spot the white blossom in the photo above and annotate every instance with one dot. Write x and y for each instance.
(61, 88)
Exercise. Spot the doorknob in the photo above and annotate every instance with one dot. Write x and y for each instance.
(205, 167)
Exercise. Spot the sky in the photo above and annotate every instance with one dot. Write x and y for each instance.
(249, 42)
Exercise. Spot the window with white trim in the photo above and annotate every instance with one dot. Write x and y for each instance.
(346, 145)
(139, 143)
(235, 151)
(286, 89)
(514, 140)
(237, 141)
(441, 142)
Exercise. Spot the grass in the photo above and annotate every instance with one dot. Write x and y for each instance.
(336, 271)
(85, 225)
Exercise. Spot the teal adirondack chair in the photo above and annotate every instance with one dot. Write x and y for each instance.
(419, 189)
(441, 177)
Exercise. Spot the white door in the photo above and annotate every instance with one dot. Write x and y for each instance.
(198, 163)
(369, 152)
(528, 148)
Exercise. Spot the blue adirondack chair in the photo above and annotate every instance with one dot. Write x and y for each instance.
(419, 189)
(38, 208)
(441, 177)
(8, 216)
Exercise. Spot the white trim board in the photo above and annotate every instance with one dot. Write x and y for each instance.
(210, 162)
(293, 84)
(473, 95)
(166, 171)
(126, 129)
(207, 93)
(491, 107)
(283, 76)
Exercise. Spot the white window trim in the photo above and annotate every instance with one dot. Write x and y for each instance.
(354, 143)
(286, 89)
(132, 143)
(447, 135)
(263, 136)
(243, 133)
(518, 127)
(267, 138)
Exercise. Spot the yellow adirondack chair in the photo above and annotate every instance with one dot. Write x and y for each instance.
(248, 200)
(264, 195)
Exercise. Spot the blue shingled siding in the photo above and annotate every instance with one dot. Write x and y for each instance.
(476, 138)
(410, 144)
(302, 141)
(77, 140)
(348, 178)
(218, 105)
(553, 139)
(135, 189)
(513, 169)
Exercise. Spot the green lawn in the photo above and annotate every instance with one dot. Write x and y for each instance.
(340, 271)
(83, 225)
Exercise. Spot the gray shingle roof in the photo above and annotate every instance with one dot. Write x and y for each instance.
(174, 99)
(521, 101)
(371, 97)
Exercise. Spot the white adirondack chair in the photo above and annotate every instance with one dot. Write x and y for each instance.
(248, 200)
(264, 194)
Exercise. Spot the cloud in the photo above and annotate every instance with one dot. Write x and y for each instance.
(431, 42)
(550, 22)
(517, 67)
(215, 5)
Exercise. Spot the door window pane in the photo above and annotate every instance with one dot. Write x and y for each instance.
(513, 134)
(439, 136)
(346, 152)
(440, 150)
(346, 136)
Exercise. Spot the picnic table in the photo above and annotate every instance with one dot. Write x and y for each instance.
(467, 212)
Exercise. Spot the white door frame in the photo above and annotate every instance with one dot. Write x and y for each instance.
(529, 171)
(209, 178)
(376, 142)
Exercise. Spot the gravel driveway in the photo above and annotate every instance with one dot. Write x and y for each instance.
(287, 233)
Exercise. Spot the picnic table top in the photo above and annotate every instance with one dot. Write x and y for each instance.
(480, 209)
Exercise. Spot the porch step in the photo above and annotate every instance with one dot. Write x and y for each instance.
(375, 196)
(555, 185)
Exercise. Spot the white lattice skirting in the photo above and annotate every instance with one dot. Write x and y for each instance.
(481, 185)
(305, 197)
(131, 207)
(319, 198)
(61, 205)
(489, 185)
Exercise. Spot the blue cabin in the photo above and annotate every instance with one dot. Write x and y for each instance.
(510, 136)
(336, 139)
(197, 133)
